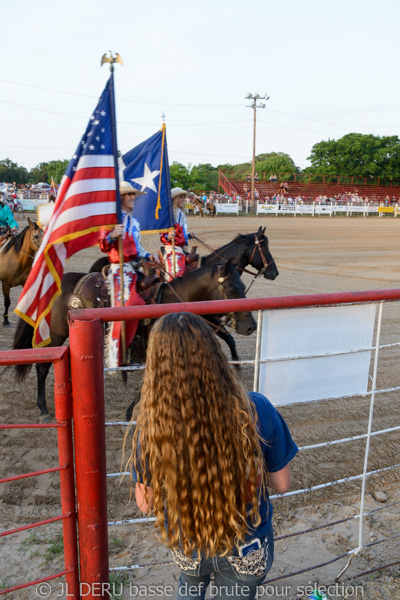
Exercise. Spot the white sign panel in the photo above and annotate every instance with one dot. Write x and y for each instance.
(305, 209)
(310, 332)
(322, 209)
(227, 208)
(31, 203)
(264, 209)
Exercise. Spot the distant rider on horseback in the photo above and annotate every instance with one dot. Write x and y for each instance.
(132, 248)
(6, 218)
(181, 235)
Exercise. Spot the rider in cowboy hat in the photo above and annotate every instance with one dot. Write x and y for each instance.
(132, 249)
(180, 233)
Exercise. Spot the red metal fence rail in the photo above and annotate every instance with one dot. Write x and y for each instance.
(63, 408)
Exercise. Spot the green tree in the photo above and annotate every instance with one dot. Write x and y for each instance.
(268, 163)
(204, 177)
(39, 173)
(11, 171)
(274, 163)
(180, 175)
(357, 154)
(56, 169)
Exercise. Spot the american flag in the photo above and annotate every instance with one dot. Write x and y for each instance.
(86, 202)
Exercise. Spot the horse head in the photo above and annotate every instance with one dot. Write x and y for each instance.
(261, 258)
(230, 286)
(35, 235)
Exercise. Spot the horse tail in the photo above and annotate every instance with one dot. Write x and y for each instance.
(97, 266)
(22, 340)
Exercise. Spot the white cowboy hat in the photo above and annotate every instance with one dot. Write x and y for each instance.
(178, 191)
(126, 188)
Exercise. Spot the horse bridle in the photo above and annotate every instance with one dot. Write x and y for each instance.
(266, 264)
(32, 256)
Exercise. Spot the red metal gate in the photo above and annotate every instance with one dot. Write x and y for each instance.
(63, 409)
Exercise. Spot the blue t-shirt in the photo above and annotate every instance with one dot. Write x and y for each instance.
(278, 449)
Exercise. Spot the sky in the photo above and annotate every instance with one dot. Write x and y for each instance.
(329, 67)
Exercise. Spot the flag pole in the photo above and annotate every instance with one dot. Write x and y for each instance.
(172, 230)
(117, 59)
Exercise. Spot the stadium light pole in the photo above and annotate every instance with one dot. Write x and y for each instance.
(254, 106)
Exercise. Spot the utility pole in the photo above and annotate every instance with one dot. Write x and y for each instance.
(254, 106)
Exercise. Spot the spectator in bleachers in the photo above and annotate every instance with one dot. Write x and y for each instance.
(283, 188)
(248, 178)
(256, 177)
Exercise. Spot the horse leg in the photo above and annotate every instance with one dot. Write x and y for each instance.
(222, 333)
(7, 302)
(42, 370)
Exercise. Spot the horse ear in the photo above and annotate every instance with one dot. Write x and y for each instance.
(31, 224)
(259, 232)
(263, 231)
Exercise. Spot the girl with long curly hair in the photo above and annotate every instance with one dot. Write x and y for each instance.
(204, 452)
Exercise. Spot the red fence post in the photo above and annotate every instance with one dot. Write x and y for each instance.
(87, 372)
(63, 408)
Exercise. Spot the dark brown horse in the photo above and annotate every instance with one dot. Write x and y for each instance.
(216, 282)
(16, 259)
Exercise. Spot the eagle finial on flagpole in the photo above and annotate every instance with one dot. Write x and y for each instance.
(111, 59)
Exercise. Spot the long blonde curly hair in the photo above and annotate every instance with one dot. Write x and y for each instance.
(197, 436)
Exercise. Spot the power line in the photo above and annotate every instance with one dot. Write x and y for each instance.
(328, 122)
(297, 128)
(52, 112)
(160, 103)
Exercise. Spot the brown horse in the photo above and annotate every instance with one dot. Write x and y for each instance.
(199, 205)
(16, 259)
(212, 209)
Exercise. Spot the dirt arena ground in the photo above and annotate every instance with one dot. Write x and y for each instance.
(313, 255)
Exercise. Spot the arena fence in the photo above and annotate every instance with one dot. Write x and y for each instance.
(63, 410)
(317, 208)
(313, 209)
(87, 370)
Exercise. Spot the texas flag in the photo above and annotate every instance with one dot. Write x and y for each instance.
(146, 168)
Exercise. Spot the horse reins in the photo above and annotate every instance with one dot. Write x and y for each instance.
(228, 316)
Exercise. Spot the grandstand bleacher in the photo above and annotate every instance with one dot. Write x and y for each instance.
(310, 191)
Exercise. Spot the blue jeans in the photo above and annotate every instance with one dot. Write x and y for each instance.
(228, 583)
